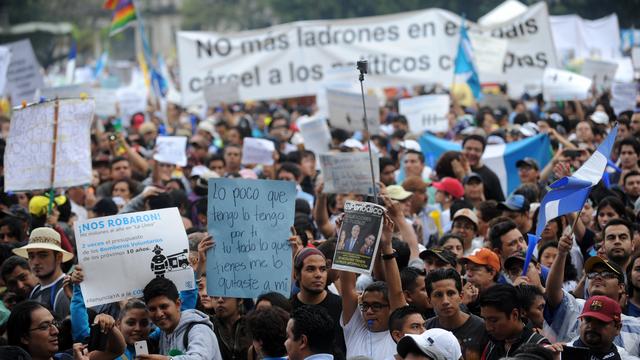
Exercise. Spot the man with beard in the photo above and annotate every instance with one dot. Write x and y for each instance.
(18, 277)
(310, 273)
(562, 310)
(599, 325)
(618, 241)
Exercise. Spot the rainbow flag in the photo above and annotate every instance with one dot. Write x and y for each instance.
(124, 14)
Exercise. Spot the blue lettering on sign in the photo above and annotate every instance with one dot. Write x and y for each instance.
(133, 219)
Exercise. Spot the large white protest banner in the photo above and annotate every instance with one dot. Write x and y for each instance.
(216, 94)
(120, 254)
(348, 172)
(171, 150)
(315, 133)
(345, 111)
(257, 151)
(561, 85)
(28, 157)
(426, 112)
(575, 37)
(488, 52)
(623, 97)
(601, 72)
(23, 75)
(5, 59)
(416, 47)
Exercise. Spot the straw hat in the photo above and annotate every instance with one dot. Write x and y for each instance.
(43, 238)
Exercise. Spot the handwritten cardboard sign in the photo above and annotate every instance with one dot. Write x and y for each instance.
(28, 156)
(250, 221)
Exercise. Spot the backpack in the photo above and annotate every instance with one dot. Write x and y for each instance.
(185, 337)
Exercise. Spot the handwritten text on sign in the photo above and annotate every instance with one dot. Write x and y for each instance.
(348, 172)
(250, 222)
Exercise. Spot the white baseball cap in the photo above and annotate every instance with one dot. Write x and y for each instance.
(436, 343)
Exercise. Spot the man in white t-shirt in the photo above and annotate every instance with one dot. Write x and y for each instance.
(366, 324)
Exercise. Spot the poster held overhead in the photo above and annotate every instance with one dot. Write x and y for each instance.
(348, 172)
(23, 75)
(345, 111)
(132, 249)
(250, 222)
(5, 59)
(257, 151)
(601, 72)
(171, 150)
(426, 113)
(316, 134)
(29, 151)
(358, 237)
(217, 94)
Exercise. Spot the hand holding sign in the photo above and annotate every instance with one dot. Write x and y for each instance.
(250, 221)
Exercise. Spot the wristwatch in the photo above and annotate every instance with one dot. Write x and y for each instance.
(393, 255)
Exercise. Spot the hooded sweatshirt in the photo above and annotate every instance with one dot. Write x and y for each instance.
(202, 344)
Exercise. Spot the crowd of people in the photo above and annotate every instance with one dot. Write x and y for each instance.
(448, 277)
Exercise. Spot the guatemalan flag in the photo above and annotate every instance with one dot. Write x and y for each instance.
(501, 158)
(465, 70)
(569, 194)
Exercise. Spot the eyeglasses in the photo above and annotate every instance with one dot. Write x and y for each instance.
(46, 326)
(461, 226)
(375, 306)
(603, 274)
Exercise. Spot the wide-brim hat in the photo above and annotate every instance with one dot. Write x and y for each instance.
(43, 238)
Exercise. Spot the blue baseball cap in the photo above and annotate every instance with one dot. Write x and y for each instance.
(515, 202)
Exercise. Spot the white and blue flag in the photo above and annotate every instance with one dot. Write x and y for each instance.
(501, 158)
(465, 70)
(569, 194)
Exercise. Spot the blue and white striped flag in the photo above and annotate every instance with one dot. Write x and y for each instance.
(568, 194)
(501, 158)
(465, 69)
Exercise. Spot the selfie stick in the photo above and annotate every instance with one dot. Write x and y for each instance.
(363, 67)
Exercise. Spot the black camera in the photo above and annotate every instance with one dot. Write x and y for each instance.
(362, 66)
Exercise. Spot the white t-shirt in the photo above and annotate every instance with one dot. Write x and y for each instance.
(361, 341)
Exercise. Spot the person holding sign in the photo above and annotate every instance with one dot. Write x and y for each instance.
(366, 329)
(188, 333)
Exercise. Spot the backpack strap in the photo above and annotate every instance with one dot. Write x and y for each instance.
(185, 337)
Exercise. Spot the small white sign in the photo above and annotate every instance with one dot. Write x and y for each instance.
(23, 75)
(65, 92)
(488, 52)
(623, 97)
(601, 72)
(216, 94)
(561, 85)
(348, 172)
(171, 150)
(345, 111)
(427, 112)
(315, 133)
(257, 151)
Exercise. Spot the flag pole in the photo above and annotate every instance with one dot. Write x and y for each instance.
(56, 111)
(363, 67)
